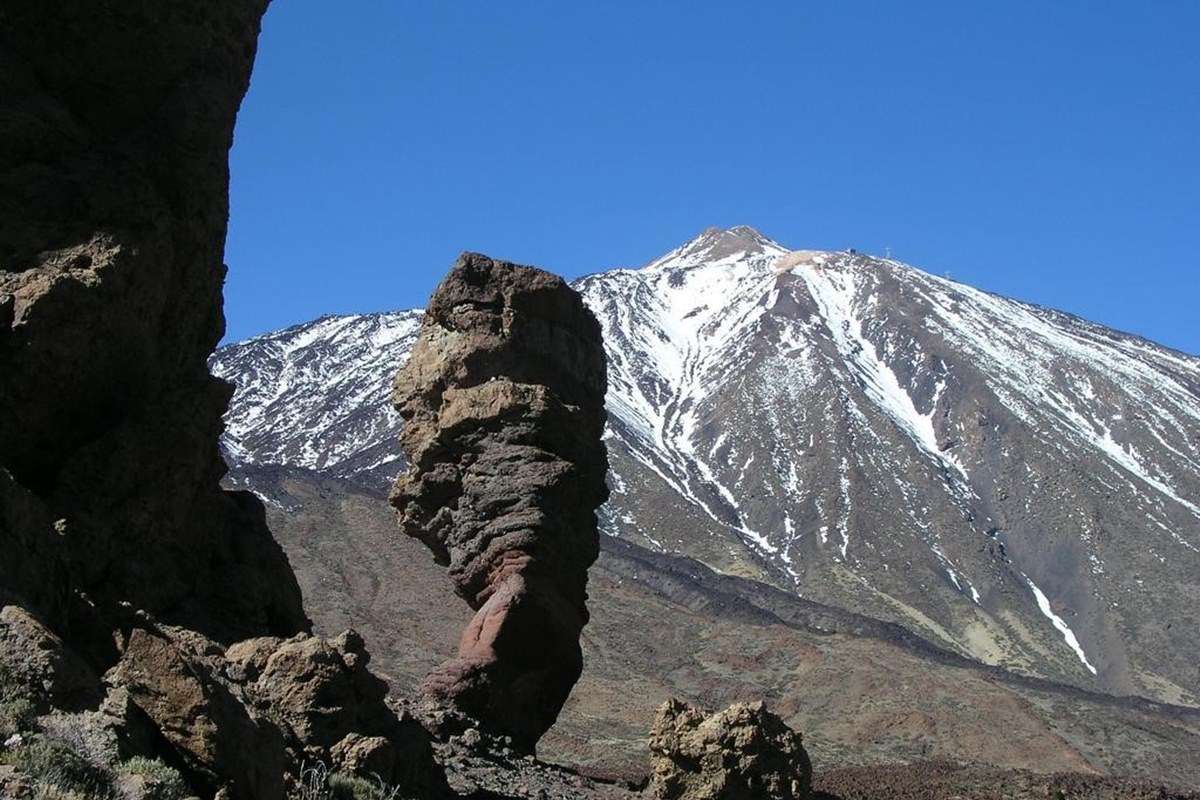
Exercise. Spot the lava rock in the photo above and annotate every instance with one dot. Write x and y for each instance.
(742, 753)
(208, 722)
(503, 405)
(124, 557)
(114, 143)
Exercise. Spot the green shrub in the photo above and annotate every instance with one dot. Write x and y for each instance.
(318, 783)
(350, 787)
(17, 710)
(165, 782)
(16, 716)
(44, 792)
(54, 766)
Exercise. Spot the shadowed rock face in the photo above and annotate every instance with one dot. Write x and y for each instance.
(503, 404)
(114, 134)
(130, 582)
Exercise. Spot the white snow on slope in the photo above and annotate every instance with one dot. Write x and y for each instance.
(1068, 635)
(314, 396)
(695, 306)
(786, 408)
(1022, 349)
(833, 288)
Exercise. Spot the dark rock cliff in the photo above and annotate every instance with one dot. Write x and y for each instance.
(114, 136)
(135, 593)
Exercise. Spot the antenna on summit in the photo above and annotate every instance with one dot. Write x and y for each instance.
(887, 252)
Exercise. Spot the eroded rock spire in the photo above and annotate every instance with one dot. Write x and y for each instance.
(503, 404)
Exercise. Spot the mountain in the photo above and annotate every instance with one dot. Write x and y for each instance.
(1015, 485)
(317, 395)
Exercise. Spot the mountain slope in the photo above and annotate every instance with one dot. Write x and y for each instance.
(662, 625)
(1015, 484)
(316, 395)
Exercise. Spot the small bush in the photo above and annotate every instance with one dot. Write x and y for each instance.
(58, 770)
(17, 710)
(165, 782)
(16, 716)
(318, 783)
(350, 787)
(43, 792)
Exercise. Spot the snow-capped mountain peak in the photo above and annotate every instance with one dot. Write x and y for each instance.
(722, 246)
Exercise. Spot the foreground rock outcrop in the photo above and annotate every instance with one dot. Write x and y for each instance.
(742, 753)
(113, 207)
(503, 405)
(147, 617)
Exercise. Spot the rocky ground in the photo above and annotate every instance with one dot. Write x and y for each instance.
(939, 780)
(860, 691)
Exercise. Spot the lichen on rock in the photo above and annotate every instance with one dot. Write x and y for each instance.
(742, 753)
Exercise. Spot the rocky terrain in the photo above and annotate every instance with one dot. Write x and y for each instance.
(861, 691)
(153, 640)
(1011, 483)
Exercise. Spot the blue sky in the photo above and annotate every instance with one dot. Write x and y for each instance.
(1047, 151)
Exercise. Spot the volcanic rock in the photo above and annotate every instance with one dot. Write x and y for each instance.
(38, 659)
(742, 753)
(209, 722)
(123, 556)
(503, 404)
(333, 707)
(113, 210)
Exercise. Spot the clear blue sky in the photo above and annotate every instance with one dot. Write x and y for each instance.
(1047, 151)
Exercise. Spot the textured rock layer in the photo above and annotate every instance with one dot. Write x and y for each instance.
(742, 753)
(503, 403)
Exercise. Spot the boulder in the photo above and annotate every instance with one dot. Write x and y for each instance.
(176, 683)
(742, 753)
(41, 662)
(332, 708)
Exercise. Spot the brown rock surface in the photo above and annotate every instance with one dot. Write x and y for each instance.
(247, 717)
(742, 753)
(332, 707)
(944, 780)
(208, 721)
(503, 400)
(38, 658)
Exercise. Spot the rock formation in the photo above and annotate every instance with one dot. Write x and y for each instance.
(113, 207)
(130, 581)
(503, 409)
(742, 753)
